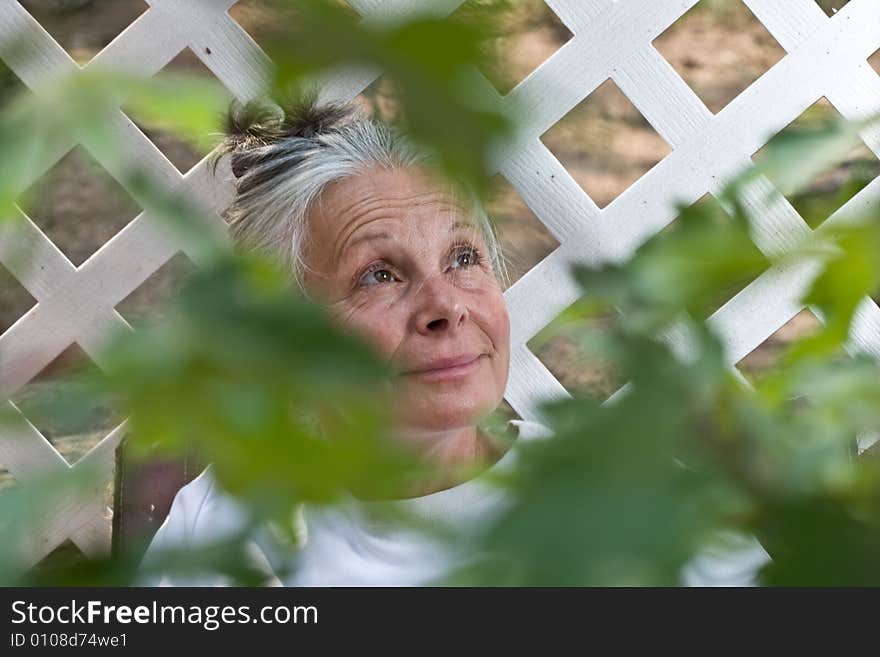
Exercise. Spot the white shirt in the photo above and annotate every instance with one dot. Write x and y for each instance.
(347, 545)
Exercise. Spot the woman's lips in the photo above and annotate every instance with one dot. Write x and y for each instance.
(449, 369)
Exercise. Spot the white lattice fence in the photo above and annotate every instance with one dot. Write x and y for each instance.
(825, 57)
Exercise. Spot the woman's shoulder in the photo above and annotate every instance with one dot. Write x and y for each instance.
(201, 514)
(185, 523)
(189, 501)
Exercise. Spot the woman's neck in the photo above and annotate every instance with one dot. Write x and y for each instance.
(455, 456)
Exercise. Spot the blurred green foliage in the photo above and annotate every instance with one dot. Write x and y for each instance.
(629, 491)
(289, 408)
(252, 378)
(432, 62)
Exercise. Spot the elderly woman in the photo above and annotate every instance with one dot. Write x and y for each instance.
(369, 230)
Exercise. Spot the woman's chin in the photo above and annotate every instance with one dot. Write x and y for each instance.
(440, 417)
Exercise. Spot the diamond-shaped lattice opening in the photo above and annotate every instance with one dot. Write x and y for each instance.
(751, 263)
(66, 558)
(183, 151)
(67, 401)
(15, 301)
(525, 241)
(570, 347)
(84, 27)
(147, 305)
(874, 61)
(263, 19)
(78, 205)
(382, 100)
(828, 190)
(7, 480)
(255, 17)
(605, 143)
(760, 361)
(831, 7)
(719, 48)
(520, 36)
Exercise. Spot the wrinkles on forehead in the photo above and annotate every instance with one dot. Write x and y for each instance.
(364, 212)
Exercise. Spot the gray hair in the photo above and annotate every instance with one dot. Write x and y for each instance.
(284, 158)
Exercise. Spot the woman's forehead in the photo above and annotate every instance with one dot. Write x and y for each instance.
(390, 189)
(404, 202)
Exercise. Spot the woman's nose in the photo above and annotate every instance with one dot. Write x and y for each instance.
(440, 306)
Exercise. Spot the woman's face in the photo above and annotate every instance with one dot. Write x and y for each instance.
(399, 261)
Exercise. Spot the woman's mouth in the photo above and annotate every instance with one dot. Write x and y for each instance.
(448, 369)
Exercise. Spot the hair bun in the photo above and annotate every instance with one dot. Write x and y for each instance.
(252, 126)
(304, 117)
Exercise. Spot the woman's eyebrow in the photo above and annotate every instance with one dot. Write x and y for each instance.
(462, 225)
(368, 236)
(384, 235)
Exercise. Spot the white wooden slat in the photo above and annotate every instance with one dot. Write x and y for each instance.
(92, 531)
(78, 514)
(688, 172)
(188, 14)
(395, 10)
(231, 54)
(551, 283)
(857, 98)
(84, 520)
(760, 309)
(864, 334)
(780, 228)
(60, 319)
(667, 103)
(31, 256)
(346, 82)
(530, 383)
(144, 48)
(578, 14)
(28, 49)
(585, 62)
(549, 190)
(864, 204)
(660, 211)
(30, 458)
(94, 536)
(45, 160)
(559, 262)
(366, 7)
(136, 153)
(789, 22)
(763, 306)
(24, 451)
(101, 282)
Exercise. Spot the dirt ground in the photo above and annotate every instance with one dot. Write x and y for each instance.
(718, 47)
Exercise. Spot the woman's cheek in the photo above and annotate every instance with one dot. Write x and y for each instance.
(377, 326)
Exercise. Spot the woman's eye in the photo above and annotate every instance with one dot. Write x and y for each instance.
(376, 276)
(463, 258)
(467, 257)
